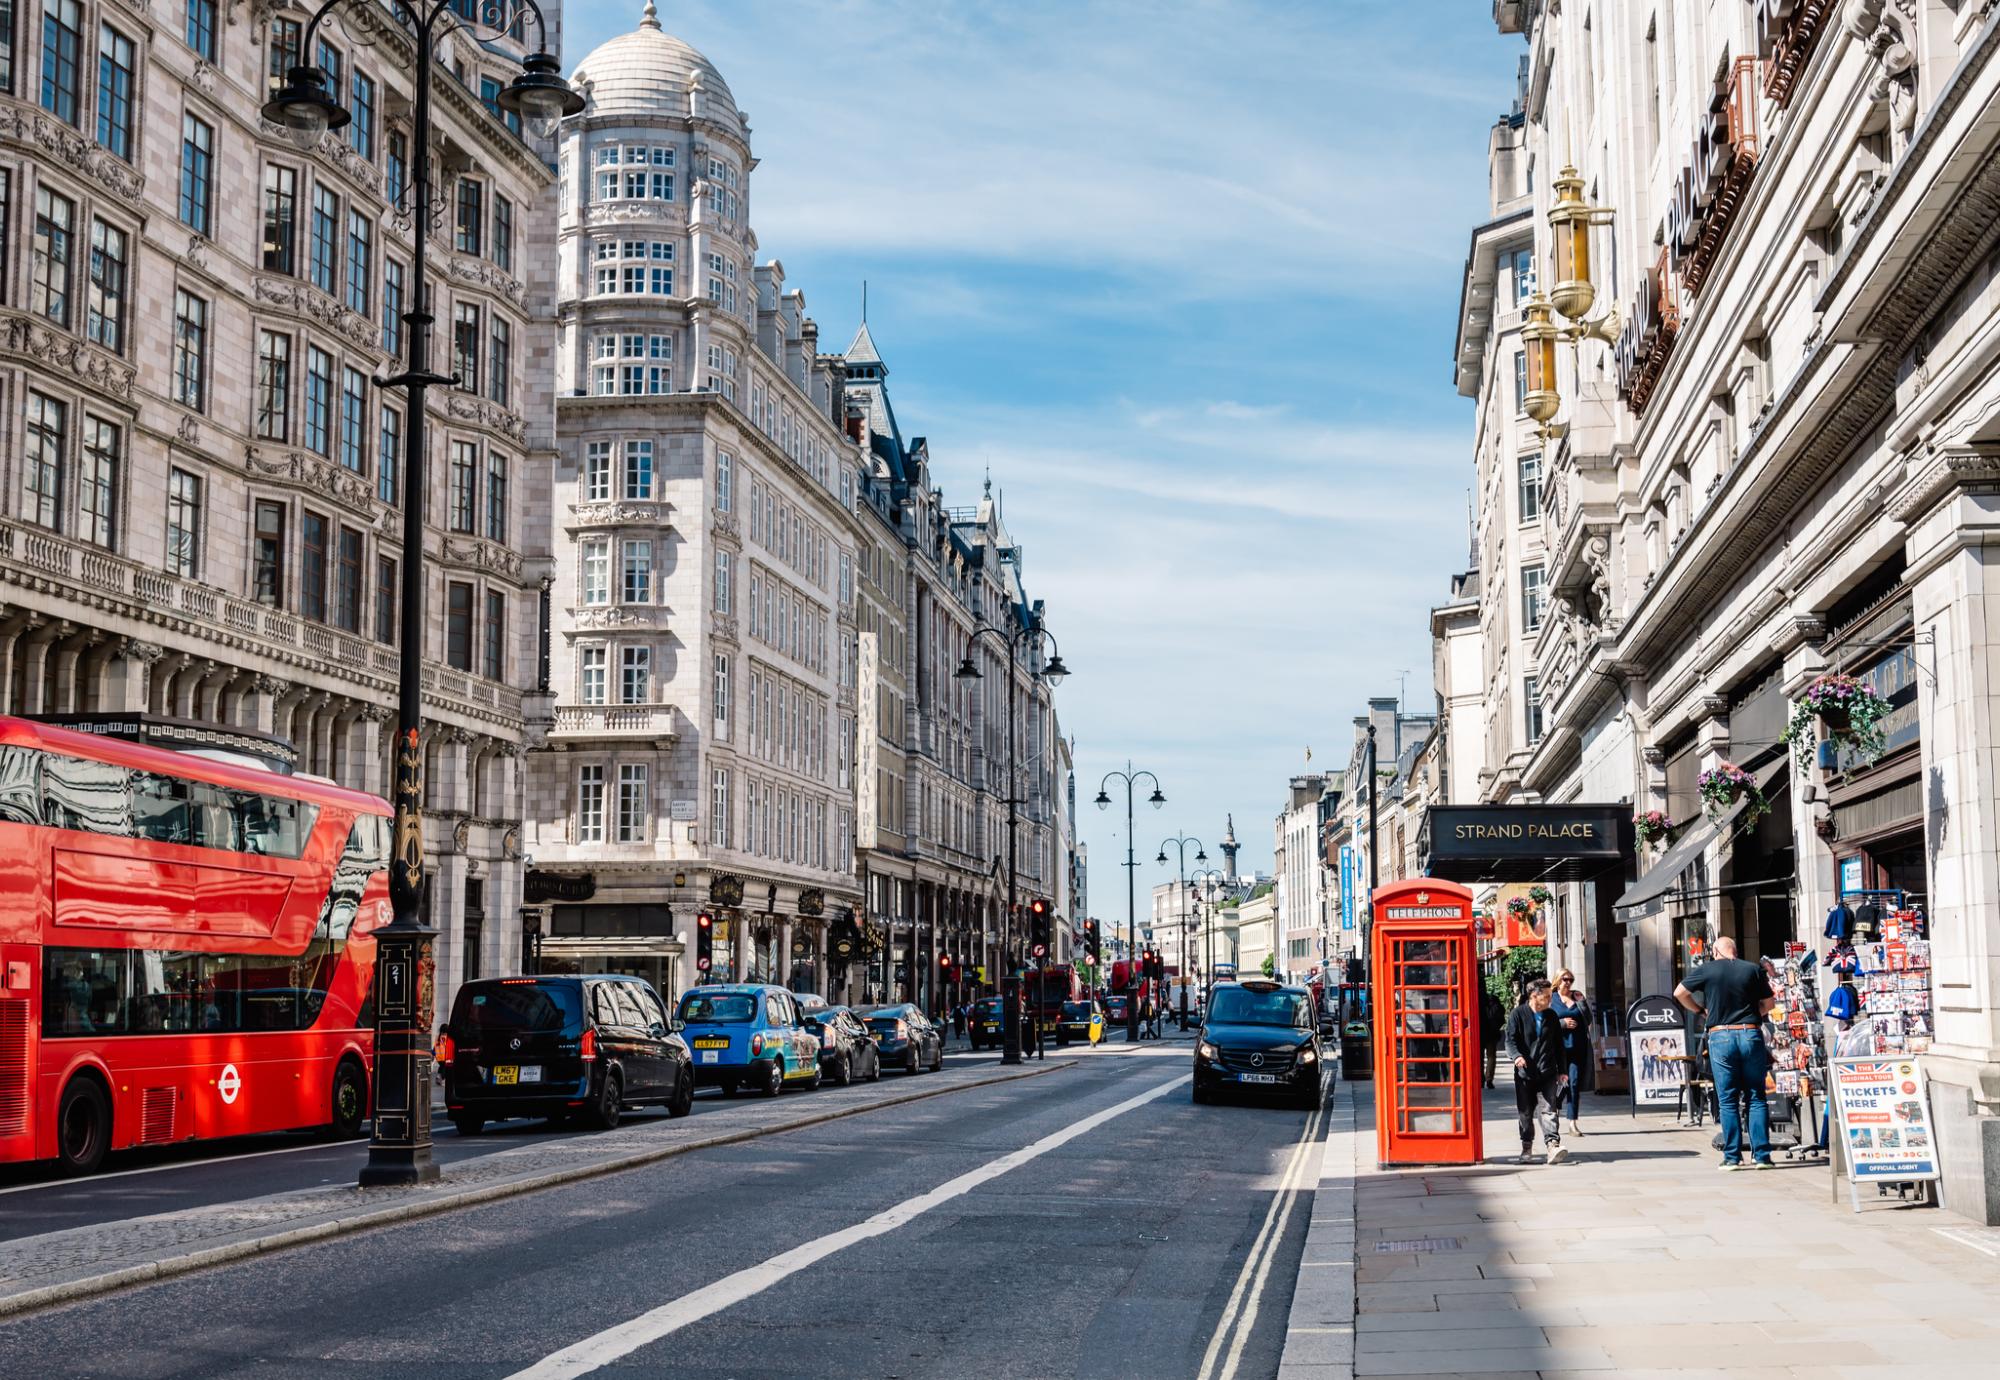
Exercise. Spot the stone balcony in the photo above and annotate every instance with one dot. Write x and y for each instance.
(574, 723)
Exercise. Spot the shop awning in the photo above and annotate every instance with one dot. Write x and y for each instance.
(1663, 880)
(1525, 843)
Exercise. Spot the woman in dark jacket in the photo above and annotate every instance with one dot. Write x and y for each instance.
(1573, 1009)
(1492, 1028)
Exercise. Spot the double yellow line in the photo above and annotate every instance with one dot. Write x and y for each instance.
(1239, 1315)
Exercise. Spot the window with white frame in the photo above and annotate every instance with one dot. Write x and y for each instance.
(631, 267)
(597, 471)
(634, 172)
(723, 480)
(591, 665)
(638, 469)
(1534, 597)
(590, 804)
(631, 365)
(597, 571)
(722, 697)
(718, 808)
(636, 583)
(1522, 264)
(724, 565)
(1531, 701)
(635, 675)
(632, 810)
(1531, 486)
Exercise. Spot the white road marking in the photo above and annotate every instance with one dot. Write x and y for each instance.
(1985, 1244)
(1240, 1312)
(614, 1343)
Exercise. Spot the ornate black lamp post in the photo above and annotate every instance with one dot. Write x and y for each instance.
(1180, 842)
(1157, 799)
(1208, 878)
(1051, 672)
(399, 1147)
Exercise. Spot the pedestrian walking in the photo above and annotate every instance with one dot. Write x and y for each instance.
(1573, 1010)
(1735, 994)
(1535, 1037)
(1492, 1028)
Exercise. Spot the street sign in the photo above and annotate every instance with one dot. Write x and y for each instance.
(1883, 1114)
(1656, 1030)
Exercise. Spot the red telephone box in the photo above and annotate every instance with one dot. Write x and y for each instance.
(1423, 961)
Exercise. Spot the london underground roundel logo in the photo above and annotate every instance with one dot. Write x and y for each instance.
(229, 1084)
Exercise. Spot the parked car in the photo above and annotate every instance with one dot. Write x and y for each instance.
(847, 1052)
(905, 1037)
(1081, 1020)
(984, 1023)
(560, 1047)
(1259, 1036)
(748, 1035)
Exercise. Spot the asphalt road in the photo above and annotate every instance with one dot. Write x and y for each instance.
(1070, 1225)
(36, 1198)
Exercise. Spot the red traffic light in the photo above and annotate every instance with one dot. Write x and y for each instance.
(705, 920)
(1038, 907)
(944, 960)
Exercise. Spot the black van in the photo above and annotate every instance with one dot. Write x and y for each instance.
(561, 1047)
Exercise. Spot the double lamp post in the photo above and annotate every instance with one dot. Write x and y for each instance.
(1180, 842)
(1157, 800)
(1050, 673)
(399, 1146)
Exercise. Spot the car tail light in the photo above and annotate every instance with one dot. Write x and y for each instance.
(447, 1049)
(756, 1045)
(902, 1030)
(589, 1046)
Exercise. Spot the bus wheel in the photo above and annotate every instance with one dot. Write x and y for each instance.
(83, 1126)
(350, 1100)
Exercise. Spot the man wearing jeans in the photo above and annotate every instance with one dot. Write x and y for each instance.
(1735, 995)
(1535, 1036)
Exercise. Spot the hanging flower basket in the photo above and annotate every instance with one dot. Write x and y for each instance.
(1725, 784)
(1521, 908)
(1541, 896)
(1848, 710)
(1651, 825)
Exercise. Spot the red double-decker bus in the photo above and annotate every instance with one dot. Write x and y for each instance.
(185, 947)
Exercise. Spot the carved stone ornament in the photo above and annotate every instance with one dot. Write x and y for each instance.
(27, 337)
(1887, 32)
(470, 270)
(189, 430)
(486, 555)
(468, 407)
(460, 833)
(606, 514)
(203, 76)
(295, 296)
(72, 150)
(144, 652)
(617, 616)
(311, 472)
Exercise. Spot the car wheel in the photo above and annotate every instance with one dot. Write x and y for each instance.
(818, 1077)
(937, 1060)
(83, 1126)
(350, 1100)
(875, 1069)
(843, 1070)
(468, 1123)
(1201, 1094)
(774, 1078)
(683, 1101)
(605, 1111)
(914, 1064)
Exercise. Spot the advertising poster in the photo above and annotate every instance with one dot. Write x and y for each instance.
(1346, 887)
(1883, 1110)
(1656, 1029)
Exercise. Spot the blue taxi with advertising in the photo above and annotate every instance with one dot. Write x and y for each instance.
(748, 1035)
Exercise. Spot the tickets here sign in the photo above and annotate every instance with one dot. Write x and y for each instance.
(1883, 1108)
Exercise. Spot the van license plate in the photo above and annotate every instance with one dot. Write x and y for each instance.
(505, 1075)
(1257, 1078)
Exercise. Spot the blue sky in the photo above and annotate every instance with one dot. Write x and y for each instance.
(1185, 274)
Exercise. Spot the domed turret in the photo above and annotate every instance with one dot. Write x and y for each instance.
(650, 72)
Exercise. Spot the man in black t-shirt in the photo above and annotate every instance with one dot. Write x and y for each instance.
(1735, 995)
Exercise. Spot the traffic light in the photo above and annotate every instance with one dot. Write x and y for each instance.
(1038, 920)
(1090, 939)
(944, 965)
(704, 943)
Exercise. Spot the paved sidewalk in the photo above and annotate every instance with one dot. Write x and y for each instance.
(39, 1270)
(1636, 1258)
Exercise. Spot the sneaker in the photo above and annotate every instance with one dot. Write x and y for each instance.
(1730, 1166)
(1527, 1157)
(1557, 1154)
(1573, 1129)
(1764, 1164)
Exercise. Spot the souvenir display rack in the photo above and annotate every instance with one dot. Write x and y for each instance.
(1798, 1056)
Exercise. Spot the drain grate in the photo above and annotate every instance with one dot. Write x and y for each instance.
(1422, 1245)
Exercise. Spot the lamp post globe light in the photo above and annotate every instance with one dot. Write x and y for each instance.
(1157, 800)
(1030, 634)
(399, 1146)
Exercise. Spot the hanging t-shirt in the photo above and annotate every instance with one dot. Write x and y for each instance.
(1731, 989)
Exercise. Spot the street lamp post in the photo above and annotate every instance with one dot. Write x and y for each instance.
(1051, 672)
(399, 1145)
(1157, 799)
(1207, 877)
(1180, 842)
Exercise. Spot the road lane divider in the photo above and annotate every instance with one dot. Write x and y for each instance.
(616, 1343)
(1239, 1315)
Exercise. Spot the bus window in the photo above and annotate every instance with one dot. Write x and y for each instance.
(91, 796)
(20, 793)
(83, 992)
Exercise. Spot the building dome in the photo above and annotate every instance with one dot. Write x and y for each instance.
(649, 71)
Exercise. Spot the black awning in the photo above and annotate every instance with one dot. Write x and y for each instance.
(1525, 843)
(1663, 880)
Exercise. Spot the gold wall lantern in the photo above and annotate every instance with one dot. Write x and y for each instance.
(1538, 340)
(1570, 220)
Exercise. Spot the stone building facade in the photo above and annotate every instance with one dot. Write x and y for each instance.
(200, 486)
(1785, 465)
(702, 603)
